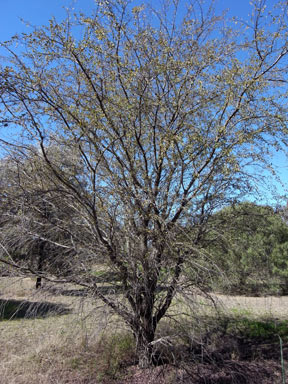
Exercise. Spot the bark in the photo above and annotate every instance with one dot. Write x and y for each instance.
(144, 326)
(38, 282)
(144, 347)
(145, 355)
(40, 265)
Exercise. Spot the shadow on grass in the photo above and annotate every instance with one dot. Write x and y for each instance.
(82, 292)
(16, 309)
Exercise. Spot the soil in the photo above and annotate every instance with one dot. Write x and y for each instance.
(232, 372)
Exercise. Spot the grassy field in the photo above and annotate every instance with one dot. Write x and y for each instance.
(74, 339)
(46, 348)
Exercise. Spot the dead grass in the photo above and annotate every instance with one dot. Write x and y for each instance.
(46, 350)
(65, 349)
(270, 306)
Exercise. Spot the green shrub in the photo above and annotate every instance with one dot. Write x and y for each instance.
(114, 352)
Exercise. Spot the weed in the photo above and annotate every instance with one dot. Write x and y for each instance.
(80, 346)
(241, 311)
(114, 352)
(265, 329)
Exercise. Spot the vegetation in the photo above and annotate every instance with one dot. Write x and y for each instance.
(249, 244)
(132, 125)
(80, 346)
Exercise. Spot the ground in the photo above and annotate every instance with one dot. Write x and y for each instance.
(59, 336)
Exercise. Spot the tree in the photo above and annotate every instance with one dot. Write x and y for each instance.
(247, 241)
(166, 118)
(33, 235)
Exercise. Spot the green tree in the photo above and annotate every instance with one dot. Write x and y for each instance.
(247, 242)
(165, 113)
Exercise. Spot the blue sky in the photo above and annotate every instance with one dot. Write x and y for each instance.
(38, 12)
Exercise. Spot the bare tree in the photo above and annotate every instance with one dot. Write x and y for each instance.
(34, 231)
(167, 120)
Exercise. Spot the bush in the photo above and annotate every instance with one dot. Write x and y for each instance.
(114, 353)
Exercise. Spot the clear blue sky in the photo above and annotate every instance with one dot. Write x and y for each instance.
(38, 12)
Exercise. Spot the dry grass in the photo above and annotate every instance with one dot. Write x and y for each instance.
(48, 350)
(63, 349)
(270, 306)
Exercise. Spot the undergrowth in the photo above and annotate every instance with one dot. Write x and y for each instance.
(198, 347)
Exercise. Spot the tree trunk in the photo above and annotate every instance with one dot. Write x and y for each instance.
(38, 282)
(285, 286)
(144, 348)
(40, 264)
(145, 356)
(144, 331)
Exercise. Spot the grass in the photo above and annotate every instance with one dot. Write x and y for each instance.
(19, 309)
(88, 345)
(268, 329)
(37, 349)
(268, 306)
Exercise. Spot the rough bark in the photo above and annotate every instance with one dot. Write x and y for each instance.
(144, 347)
